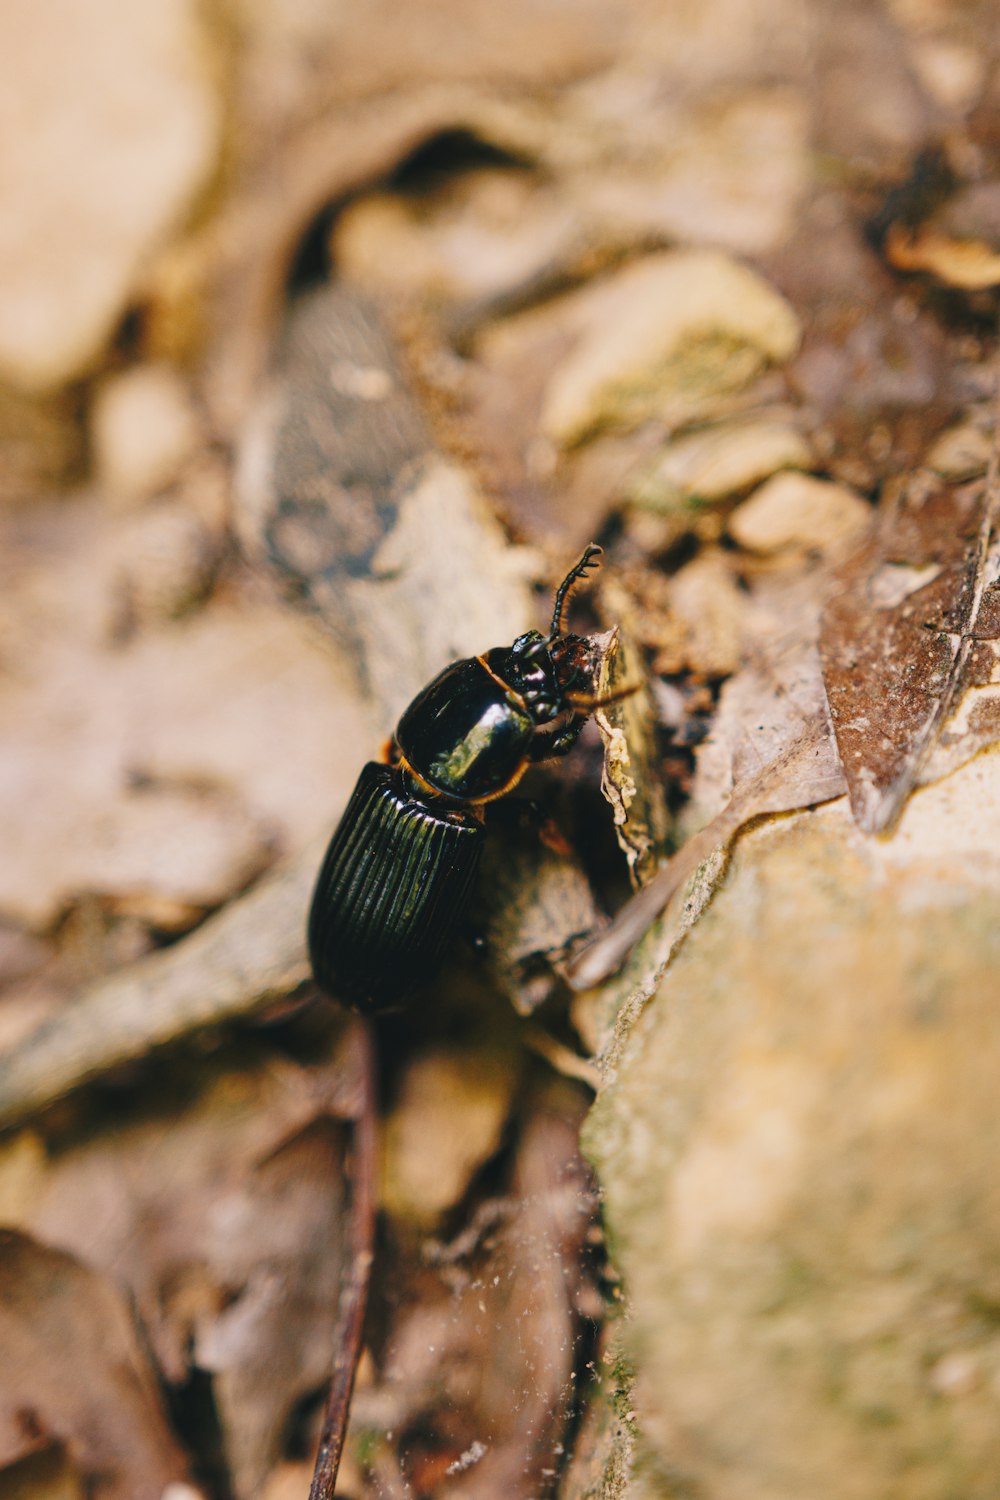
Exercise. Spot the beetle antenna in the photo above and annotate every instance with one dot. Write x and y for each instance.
(588, 560)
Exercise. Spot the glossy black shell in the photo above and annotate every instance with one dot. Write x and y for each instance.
(464, 735)
(393, 886)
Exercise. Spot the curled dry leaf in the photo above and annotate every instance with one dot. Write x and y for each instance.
(75, 1374)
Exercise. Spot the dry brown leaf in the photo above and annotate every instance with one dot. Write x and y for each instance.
(279, 1243)
(905, 632)
(153, 772)
(628, 778)
(245, 958)
(452, 1108)
(534, 903)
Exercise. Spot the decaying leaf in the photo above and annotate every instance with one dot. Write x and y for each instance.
(151, 772)
(74, 1374)
(221, 1199)
(427, 1162)
(908, 628)
(479, 1380)
(628, 778)
(535, 902)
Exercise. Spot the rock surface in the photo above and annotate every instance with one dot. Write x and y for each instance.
(799, 1150)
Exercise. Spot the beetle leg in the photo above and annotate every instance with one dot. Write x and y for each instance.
(561, 742)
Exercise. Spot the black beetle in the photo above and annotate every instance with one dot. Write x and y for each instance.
(400, 867)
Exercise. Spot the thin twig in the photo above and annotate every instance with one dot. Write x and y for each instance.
(956, 684)
(353, 1297)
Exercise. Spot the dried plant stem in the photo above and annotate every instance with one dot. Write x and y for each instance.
(347, 1343)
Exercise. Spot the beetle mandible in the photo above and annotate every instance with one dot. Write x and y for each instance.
(399, 871)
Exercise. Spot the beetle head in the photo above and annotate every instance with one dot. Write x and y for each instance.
(534, 676)
(545, 669)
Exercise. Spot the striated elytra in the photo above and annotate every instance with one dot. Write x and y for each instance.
(400, 869)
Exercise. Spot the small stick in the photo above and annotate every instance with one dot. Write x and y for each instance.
(354, 1294)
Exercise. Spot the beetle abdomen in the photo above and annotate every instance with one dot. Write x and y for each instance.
(394, 884)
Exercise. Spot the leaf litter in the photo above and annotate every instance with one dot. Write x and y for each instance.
(857, 699)
(223, 1207)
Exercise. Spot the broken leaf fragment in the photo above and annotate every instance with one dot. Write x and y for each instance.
(447, 1121)
(477, 1383)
